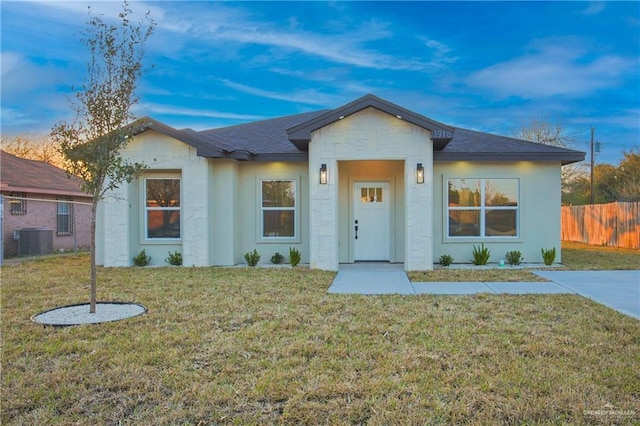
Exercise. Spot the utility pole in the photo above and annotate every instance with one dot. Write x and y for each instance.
(591, 192)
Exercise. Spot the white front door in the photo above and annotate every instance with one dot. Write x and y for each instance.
(371, 220)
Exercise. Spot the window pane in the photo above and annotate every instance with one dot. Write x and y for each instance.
(63, 208)
(64, 219)
(278, 223)
(500, 223)
(163, 224)
(163, 192)
(18, 207)
(278, 194)
(464, 193)
(501, 192)
(464, 223)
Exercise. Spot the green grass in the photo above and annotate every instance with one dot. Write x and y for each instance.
(256, 346)
(585, 257)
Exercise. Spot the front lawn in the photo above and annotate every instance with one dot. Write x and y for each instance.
(271, 346)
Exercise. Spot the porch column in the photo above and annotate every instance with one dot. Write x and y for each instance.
(419, 215)
(323, 214)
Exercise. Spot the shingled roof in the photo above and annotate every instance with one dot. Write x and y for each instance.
(30, 176)
(470, 145)
(287, 138)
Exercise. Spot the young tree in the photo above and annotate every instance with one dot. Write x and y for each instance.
(91, 144)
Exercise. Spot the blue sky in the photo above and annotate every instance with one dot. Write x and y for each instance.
(487, 66)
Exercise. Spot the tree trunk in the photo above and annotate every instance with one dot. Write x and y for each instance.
(94, 211)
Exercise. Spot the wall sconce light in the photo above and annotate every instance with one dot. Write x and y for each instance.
(323, 174)
(420, 173)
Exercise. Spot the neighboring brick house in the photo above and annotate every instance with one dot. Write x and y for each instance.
(38, 195)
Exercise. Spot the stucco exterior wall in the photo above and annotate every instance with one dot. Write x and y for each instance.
(121, 211)
(370, 135)
(539, 212)
(248, 211)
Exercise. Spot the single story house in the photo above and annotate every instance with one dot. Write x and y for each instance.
(367, 181)
(43, 209)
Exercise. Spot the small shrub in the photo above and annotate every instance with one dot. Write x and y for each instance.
(514, 257)
(252, 258)
(142, 259)
(481, 255)
(277, 258)
(174, 258)
(294, 257)
(548, 255)
(446, 260)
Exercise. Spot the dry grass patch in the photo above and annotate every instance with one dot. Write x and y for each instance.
(271, 346)
(475, 275)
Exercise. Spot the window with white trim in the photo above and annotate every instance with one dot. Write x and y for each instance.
(162, 208)
(278, 201)
(484, 208)
(64, 218)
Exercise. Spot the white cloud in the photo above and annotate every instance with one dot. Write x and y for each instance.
(594, 8)
(22, 77)
(225, 27)
(554, 68)
(306, 96)
(150, 109)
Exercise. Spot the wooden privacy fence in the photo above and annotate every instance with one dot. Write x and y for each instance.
(614, 224)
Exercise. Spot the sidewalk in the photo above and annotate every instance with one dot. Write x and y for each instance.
(619, 290)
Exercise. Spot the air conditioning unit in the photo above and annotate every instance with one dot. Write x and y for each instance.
(34, 241)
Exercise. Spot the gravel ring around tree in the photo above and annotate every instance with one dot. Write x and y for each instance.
(79, 314)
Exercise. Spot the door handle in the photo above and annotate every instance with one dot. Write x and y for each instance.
(356, 229)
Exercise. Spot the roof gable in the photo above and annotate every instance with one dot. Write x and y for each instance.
(204, 148)
(300, 135)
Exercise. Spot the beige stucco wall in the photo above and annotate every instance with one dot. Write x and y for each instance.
(247, 220)
(539, 212)
(369, 135)
(120, 233)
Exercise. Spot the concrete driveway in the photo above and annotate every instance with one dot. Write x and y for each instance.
(619, 290)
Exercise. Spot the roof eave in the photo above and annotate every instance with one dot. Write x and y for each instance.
(44, 191)
(563, 158)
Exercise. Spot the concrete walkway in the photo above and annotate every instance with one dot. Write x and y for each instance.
(619, 290)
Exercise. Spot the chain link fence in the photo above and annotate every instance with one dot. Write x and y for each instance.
(42, 225)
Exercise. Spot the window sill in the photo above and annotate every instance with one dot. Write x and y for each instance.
(162, 241)
(278, 240)
(478, 240)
